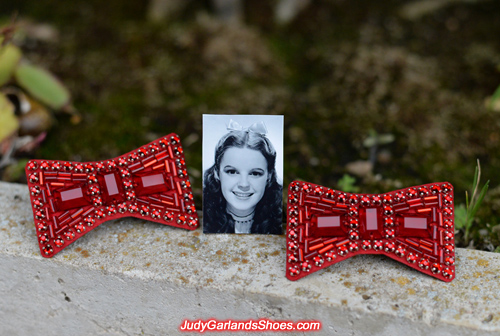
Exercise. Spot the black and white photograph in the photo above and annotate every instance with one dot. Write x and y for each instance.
(242, 174)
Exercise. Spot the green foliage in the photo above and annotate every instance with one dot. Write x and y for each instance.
(494, 101)
(42, 85)
(9, 59)
(346, 183)
(8, 121)
(465, 215)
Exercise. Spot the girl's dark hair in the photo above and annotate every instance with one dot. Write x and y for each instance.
(267, 217)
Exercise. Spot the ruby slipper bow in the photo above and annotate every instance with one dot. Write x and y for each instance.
(413, 226)
(70, 199)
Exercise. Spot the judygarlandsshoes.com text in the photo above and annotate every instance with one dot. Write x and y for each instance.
(248, 325)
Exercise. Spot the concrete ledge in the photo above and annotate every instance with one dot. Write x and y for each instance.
(131, 277)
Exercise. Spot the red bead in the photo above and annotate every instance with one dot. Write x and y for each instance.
(292, 234)
(376, 200)
(181, 219)
(89, 221)
(318, 261)
(306, 188)
(424, 263)
(41, 226)
(387, 199)
(353, 223)
(80, 228)
(47, 250)
(411, 193)
(411, 258)
(33, 178)
(305, 266)
(32, 165)
(56, 166)
(69, 235)
(330, 193)
(318, 191)
(37, 203)
(79, 167)
(389, 247)
(59, 242)
(44, 165)
(341, 198)
(111, 165)
(193, 222)
(68, 166)
(89, 168)
(353, 247)
(423, 192)
(330, 255)
(353, 211)
(388, 210)
(133, 157)
(389, 221)
(436, 268)
(449, 260)
(377, 245)
(401, 251)
(447, 273)
(353, 235)
(142, 152)
(153, 148)
(35, 190)
(353, 199)
(294, 271)
(144, 210)
(169, 216)
(389, 233)
(435, 189)
(343, 250)
(292, 258)
(365, 201)
(366, 245)
(43, 238)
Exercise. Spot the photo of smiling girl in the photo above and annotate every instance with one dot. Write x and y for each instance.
(242, 192)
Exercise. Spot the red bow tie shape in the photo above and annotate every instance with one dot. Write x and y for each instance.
(412, 225)
(70, 199)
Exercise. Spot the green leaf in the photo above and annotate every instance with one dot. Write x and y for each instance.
(346, 183)
(494, 99)
(9, 58)
(460, 217)
(8, 121)
(479, 200)
(42, 85)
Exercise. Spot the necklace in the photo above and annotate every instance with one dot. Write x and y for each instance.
(242, 224)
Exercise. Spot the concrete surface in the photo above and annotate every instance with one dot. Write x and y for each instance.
(131, 277)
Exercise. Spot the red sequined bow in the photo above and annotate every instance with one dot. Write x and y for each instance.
(70, 199)
(413, 226)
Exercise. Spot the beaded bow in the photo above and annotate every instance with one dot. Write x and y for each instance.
(70, 199)
(414, 226)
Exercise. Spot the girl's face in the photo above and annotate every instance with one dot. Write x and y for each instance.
(243, 177)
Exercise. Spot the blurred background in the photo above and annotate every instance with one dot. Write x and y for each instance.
(377, 95)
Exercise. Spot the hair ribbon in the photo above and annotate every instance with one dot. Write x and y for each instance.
(258, 127)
